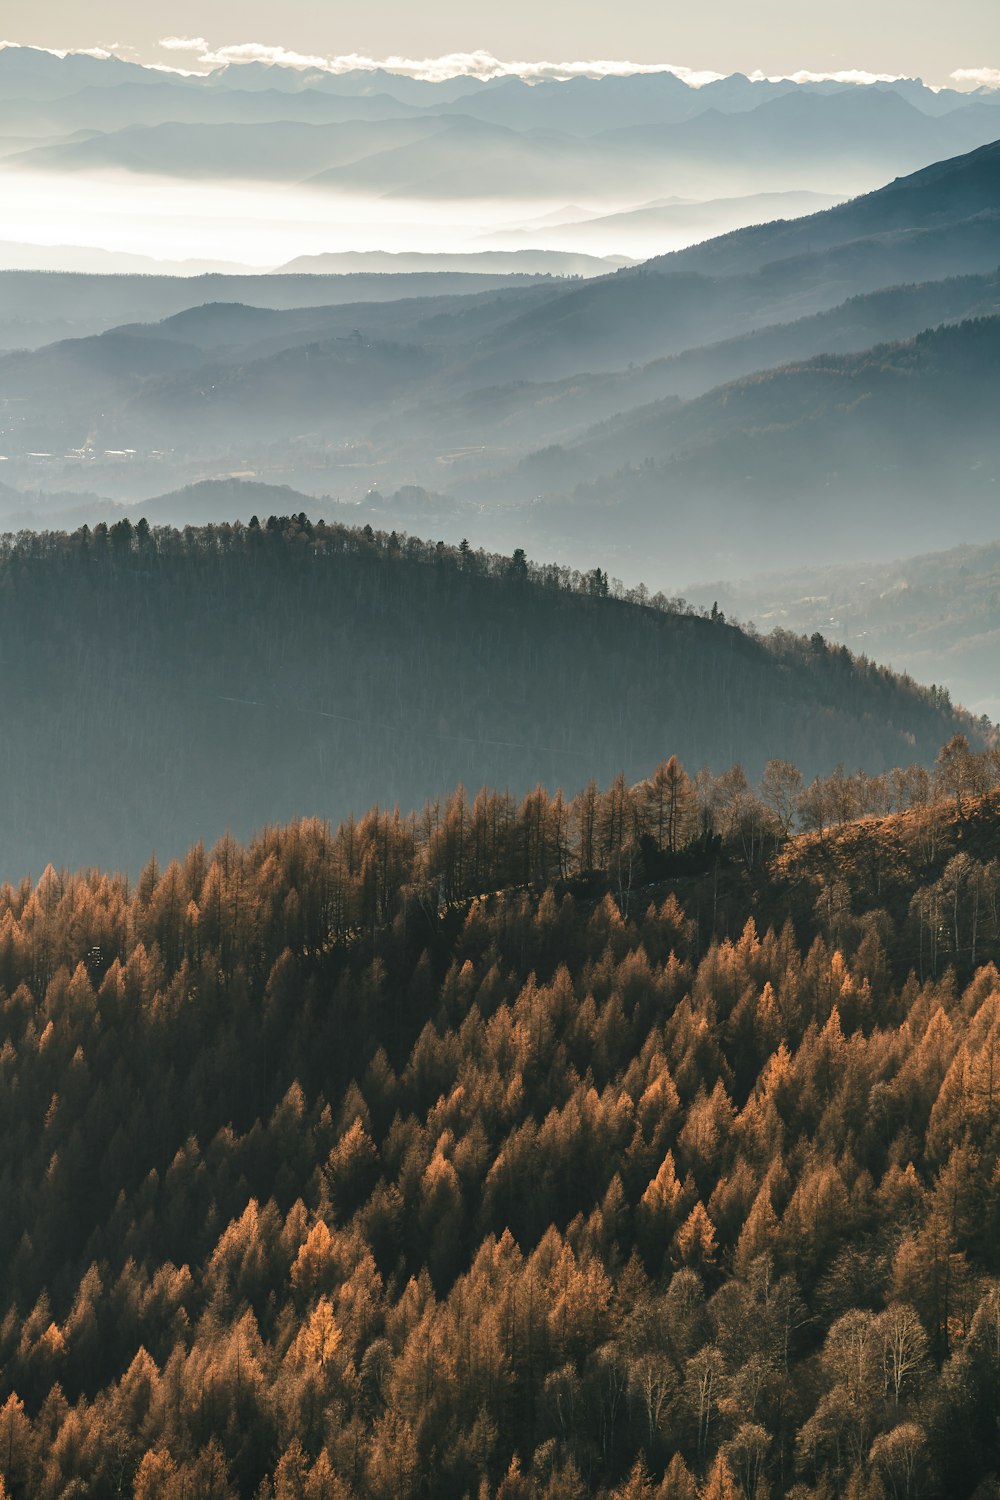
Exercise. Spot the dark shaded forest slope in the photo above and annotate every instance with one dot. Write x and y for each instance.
(159, 686)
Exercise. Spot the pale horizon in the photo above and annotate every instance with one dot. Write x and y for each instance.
(967, 57)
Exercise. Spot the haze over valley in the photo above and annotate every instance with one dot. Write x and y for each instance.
(265, 164)
(801, 377)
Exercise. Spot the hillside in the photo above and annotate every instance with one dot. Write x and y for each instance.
(562, 411)
(40, 307)
(936, 615)
(654, 228)
(208, 502)
(449, 381)
(889, 315)
(944, 375)
(938, 222)
(556, 412)
(389, 392)
(819, 452)
(325, 1177)
(233, 676)
(956, 191)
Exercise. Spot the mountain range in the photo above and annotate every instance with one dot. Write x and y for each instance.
(800, 140)
(809, 375)
(936, 616)
(375, 150)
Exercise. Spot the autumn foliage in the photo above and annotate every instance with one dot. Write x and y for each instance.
(632, 1145)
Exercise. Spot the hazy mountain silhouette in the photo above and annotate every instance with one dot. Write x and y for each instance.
(810, 456)
(494, 262)
(37, 308)
(942, 221)
(936, 615)
(35, 73)
(585, 401)
(171, 101)
(91, 260)
(657, 222)
(947, 193)
(278, 150)
(621, 140)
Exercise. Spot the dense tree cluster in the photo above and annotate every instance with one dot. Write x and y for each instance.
(163, 686)
(521, 1149)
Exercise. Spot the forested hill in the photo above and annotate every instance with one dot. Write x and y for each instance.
(810, 453)
(160, 687)
(959, 192)
(324, 1177)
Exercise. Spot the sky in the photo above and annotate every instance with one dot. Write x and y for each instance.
(912, 37)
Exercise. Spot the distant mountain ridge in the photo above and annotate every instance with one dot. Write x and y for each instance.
(585, 413)
(936, 615)
(948, 192)
(489, 262)
(615, 143)
(820, 453)
(38, 307)
(823, 142)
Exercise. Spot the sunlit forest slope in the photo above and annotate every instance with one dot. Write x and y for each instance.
(627, 1147)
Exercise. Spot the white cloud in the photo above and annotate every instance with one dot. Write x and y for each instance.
(605, 69)
(183, 43)
(484, 65)
(245, 52)
(845, 75)
(432, 69)
(987, 78)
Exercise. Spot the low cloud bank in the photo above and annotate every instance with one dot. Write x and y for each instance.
(988, 78)
(478, 64)
(203, 57)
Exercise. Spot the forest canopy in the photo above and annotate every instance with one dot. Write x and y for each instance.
(644, 1144)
